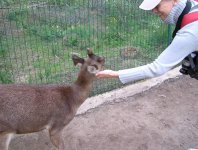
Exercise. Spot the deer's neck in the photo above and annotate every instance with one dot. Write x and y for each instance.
(83, 85)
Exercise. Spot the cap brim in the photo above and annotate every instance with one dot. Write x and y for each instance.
(149, 4)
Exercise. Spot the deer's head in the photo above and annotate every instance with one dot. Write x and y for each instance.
(92, 64)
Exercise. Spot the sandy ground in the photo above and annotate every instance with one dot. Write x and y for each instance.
(165, 117)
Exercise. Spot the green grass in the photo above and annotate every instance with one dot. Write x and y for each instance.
(5, 77)
(41, 51)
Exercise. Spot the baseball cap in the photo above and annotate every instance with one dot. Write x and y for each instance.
(149, 4)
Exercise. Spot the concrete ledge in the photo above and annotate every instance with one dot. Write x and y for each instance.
(126, 91)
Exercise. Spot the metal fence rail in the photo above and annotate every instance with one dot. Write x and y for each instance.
(38, 37)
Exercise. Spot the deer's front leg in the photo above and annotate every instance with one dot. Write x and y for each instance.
(56, 138)
(5, 139)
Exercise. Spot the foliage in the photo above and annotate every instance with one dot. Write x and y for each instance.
(50, 30)
(51, 2)
(5, 77)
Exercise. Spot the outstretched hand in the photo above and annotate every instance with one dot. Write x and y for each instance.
(107, 74)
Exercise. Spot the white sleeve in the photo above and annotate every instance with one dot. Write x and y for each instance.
(184, 43)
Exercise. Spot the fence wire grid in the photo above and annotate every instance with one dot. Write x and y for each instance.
(38, 37)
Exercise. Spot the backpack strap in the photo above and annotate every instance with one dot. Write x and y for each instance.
(188, 18)
(185, 11)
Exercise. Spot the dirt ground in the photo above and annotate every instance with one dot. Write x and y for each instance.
(164, 117)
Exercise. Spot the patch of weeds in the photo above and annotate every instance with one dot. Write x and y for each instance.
(5, 77)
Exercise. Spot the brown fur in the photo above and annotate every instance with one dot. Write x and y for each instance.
(32, 108)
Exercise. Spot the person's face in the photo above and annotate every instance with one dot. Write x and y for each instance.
(164, 8)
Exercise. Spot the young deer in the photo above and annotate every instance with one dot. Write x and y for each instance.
(31, 108)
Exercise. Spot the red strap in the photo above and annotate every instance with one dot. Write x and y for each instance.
(188, 18)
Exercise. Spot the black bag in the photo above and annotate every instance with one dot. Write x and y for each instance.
(190, 65)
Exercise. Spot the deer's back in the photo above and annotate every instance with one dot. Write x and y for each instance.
(27, 108)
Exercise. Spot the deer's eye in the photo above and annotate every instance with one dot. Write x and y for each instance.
(100, 60)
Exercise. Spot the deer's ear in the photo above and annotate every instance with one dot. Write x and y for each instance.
(77, 60)
(89, 52)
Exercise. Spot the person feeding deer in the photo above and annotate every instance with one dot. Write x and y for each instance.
(183, 48)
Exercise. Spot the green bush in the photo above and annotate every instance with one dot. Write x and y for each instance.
(18, 14)
(5, 77)
(46, 32)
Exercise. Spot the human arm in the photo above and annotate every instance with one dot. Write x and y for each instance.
(107, 74)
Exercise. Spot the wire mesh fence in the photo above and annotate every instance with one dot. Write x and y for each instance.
(38, 37)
